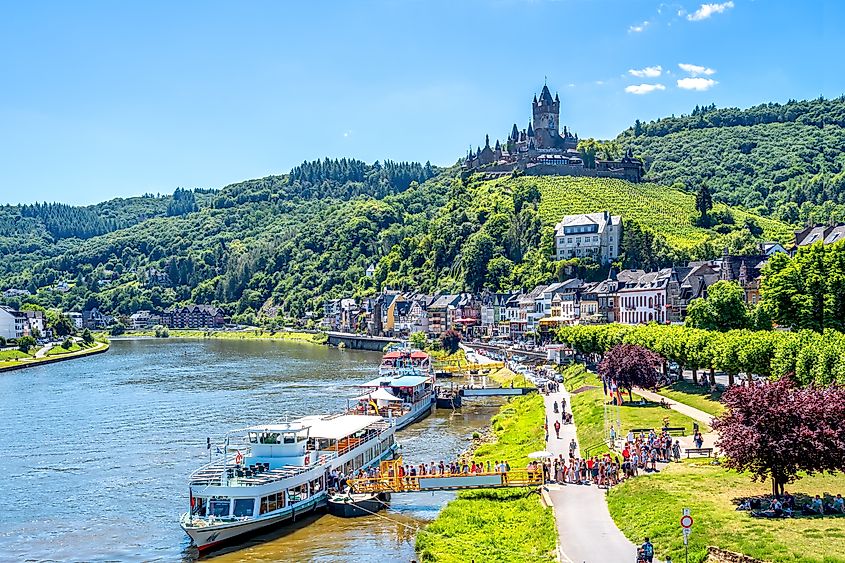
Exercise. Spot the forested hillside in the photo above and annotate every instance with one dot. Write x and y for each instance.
(783, 160)
(283, 244)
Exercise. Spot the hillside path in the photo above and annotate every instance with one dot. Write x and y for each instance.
(586, 532)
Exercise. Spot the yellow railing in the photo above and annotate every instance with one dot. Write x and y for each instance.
(462, 367)
(389, 480)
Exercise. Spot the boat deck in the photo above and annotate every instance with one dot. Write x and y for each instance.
(215, 475)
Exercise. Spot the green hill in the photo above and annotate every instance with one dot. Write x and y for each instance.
(781, 160)
(283, 244)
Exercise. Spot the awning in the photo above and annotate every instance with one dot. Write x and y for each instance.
(380, 394)
(408, 381)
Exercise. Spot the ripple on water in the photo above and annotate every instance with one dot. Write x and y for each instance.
(97, 451)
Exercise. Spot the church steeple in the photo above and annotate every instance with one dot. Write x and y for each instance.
(486, 141)
(530, 130)
(515, 133)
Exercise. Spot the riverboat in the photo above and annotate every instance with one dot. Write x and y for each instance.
(402, 359)
(273, 474)
(404, 399)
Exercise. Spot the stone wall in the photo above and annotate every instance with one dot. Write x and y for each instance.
(717, 555)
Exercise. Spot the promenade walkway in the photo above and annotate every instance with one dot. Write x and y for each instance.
(586, 531)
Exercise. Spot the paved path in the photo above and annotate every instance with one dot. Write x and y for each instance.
(43, 351)
(586, 531)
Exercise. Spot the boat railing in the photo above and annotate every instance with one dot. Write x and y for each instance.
(228, 473)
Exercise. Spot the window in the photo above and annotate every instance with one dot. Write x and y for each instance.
(218, 507)
(272, 502)
(243, 507)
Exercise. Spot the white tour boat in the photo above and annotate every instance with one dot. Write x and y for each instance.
(281, 471)
(403, 399)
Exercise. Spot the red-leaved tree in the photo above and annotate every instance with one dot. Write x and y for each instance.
(776, 429)
(631, 365)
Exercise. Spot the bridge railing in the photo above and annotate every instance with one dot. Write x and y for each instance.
(454, 481)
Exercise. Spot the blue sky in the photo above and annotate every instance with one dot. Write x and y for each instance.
(109, 99)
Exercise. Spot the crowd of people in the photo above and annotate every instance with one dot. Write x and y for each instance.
(784, 506)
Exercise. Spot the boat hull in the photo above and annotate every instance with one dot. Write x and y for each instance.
(356, 507)
(415, 415)
(209, 538)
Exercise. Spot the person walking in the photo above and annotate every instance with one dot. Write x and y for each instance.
(557, 429)
(648, 551)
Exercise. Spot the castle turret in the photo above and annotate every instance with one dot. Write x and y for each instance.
(530, 130)
(514, 133)
(546, 118)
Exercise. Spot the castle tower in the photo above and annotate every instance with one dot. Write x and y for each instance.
(546, 119)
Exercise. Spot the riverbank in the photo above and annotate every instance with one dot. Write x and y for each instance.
(256, 334)
(55, 354)
(497, 525)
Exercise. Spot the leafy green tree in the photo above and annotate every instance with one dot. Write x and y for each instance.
(525, 193)
(87, 337)
(450, 340)
(63, 326)
(477, 253)
(25, 343)
(499, 273)
(723, 308)
(418, 340)
(67, 343)
(588, 148)
(703, 202)
(807, 291)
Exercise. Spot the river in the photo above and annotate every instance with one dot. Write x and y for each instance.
(97, 451)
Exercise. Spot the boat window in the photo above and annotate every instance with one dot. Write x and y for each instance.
(316, 485)
(253, 437)
(289, 438)
(272, 502)
(243, 507)
(218, 507)
(298, 494)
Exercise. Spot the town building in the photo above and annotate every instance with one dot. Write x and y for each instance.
(12, 323)
(542, 149)
(194, 316)
(647, 300)
(76, 318)
(595, 235)
(143, 320)
(440, 312)
(94, 319)
(826, 234)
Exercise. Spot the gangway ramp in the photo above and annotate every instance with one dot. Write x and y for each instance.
(390, 482)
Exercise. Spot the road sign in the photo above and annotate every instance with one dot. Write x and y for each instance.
(686, 521)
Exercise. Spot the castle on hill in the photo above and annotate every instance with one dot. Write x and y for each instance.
(541, 149)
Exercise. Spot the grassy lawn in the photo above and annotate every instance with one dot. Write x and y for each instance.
(508, 378)
(498, 525)
(695, 396)
(652, 505)
(59, 350)
(588, 411)
(6, 355)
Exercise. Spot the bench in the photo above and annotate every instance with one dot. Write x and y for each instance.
(700, 451)
(668, 429)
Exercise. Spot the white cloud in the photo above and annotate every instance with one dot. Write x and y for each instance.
(707, 10)
(639, 27)
(696, 70)
(700, 84)
(641, 89)
(647, 72)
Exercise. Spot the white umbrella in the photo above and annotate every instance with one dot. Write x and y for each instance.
(540, 455)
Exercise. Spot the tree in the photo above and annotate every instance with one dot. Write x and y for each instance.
(450, 340)
(499, 273)
(63, 326)
(723, 308)
(117, 329)
(588, 149)
(703, 202)
(631, 365)
(477, 253)
(418, 340)
(87, 337)
(67, 343)
(525, 193)
(25, 343)
(776, 430)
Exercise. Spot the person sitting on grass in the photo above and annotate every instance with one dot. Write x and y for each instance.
(815, 506)
(838, 505)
